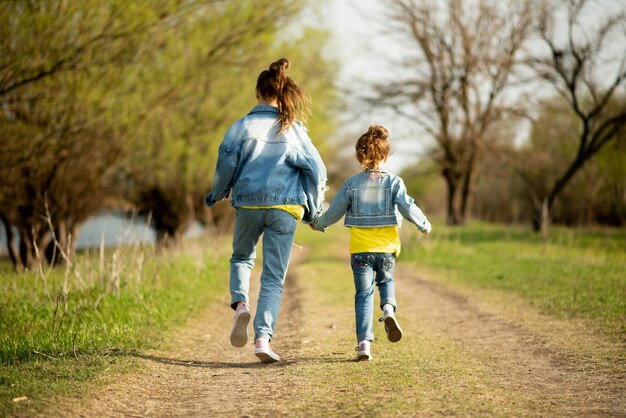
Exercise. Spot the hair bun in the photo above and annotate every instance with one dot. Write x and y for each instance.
(279, 66)
(377, 131)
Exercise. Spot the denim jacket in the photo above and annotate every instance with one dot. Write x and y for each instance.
(264, 168)
(373, 199)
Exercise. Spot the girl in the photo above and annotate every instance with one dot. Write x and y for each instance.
(371, 201)
(277, 178)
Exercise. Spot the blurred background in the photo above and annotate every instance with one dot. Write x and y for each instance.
(112, 111)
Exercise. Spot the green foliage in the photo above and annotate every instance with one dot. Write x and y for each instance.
(595, 193)
(122, 302)
(316, 73)
(126, 104)
(575, 273)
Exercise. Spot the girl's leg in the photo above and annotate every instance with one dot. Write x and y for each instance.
(280, 227)
(362, 269)
(248, 229)
(385, 266)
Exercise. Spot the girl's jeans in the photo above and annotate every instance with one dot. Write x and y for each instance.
(367, 269)
(278, 228)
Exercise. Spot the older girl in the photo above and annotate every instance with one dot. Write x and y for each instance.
(277, 178)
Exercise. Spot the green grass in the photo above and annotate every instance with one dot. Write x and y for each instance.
(576, 273)
(424, 375)
(436, 375)
(124, 302)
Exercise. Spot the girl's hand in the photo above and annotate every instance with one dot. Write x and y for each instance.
(314, 227)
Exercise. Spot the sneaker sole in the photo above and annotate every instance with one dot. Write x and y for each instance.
(394, 332)
(362, 356)
(239, 333)
(266, 357)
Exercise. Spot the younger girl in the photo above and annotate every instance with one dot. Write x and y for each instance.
(277, 178)
(371, 201)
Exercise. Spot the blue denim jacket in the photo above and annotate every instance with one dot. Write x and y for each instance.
(264, 168)
(373, 199)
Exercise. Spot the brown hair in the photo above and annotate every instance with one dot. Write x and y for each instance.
(373, 147)
(293, 104)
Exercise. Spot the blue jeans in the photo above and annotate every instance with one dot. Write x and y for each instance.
(370, 268)
(278, 228)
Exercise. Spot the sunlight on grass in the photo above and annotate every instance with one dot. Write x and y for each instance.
(575, 273)
(50, 340)
(422, 375)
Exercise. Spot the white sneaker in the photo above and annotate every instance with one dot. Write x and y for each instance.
(239, 332)
(394, 332)
(264, 352)
(363, 351)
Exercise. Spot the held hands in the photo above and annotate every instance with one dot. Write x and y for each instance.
(315, 227)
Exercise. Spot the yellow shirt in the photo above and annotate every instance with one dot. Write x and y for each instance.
(384, 239)
(296, 210)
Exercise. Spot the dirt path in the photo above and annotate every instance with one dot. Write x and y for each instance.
(204, 376)
(520, 358)
(519, 370)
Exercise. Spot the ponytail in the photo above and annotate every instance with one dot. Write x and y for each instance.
(293, 104)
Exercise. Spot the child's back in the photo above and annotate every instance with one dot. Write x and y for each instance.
(374, 203)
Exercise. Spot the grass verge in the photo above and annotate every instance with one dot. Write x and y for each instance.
(424, 375)
(62, 328)
(576, 273)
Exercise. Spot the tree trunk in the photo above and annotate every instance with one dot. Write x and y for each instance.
(11, 248)
(459, 187)
(543, 210)
(170, 229)
(31, 256)
(27, 252)
(546, 219)
(467, 190)
(455, 215)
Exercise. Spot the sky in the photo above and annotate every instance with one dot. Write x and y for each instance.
(362, 48)
(358, 44)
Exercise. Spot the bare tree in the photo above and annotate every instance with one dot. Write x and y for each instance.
(466, 54)
(587, 67)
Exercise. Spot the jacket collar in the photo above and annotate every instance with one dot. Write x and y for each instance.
(264, 109)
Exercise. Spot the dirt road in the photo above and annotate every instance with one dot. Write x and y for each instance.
(464, 353)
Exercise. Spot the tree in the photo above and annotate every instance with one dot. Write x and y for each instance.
(595, 194)
(58, 136)
(213, 62)
(466, 55)
(56, 145)
(587, 67)
(125, 105)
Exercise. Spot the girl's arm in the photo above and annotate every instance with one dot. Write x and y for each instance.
(314, 183)
(337, 209)
(227, 160)
(409, 210)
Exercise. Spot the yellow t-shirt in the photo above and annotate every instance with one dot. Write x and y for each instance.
(384, 239)
(296, 210)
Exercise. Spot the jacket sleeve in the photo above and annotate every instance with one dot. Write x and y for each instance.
(227, 159)
(314, 183)
(409, 210)
(337, 209)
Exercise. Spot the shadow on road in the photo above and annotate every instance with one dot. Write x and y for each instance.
(227, 365)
